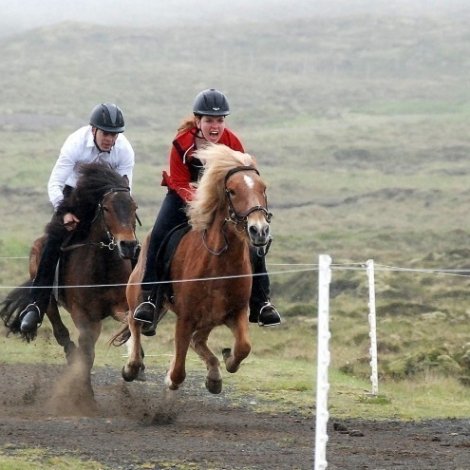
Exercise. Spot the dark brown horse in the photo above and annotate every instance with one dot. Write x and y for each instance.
(211, 271)
(94, 268)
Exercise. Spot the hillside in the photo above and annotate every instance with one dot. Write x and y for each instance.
(354, 109)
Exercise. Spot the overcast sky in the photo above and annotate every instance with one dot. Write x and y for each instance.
(25, 14)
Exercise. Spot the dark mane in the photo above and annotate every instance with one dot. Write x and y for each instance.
(95, 180)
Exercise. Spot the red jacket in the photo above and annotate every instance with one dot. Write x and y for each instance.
(186, 168)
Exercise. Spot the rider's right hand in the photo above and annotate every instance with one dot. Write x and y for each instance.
(70, 221)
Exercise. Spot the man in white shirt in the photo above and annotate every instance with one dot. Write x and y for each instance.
(101, 141)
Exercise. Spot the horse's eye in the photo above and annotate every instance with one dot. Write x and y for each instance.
(105, 209)
(230, 192)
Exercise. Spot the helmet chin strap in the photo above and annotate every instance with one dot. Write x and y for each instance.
(200, 134)
(96, 143)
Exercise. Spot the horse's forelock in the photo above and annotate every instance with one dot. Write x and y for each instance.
(218, 160)
(95, 180)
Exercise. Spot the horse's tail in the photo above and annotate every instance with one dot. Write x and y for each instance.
(15, 302)
(120, 337)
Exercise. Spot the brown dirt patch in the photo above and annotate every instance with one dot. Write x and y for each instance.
(141, 425)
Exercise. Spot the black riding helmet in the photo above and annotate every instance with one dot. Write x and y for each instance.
(108, 118)
(211, 102)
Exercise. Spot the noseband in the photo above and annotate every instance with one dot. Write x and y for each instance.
(239, 219)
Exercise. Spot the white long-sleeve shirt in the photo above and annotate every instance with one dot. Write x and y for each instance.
(79, 147)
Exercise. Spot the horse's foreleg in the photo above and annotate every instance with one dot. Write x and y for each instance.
(177, 372)
(242, 345)
(61, 333)
(79, 372)
(87, 338)
(134, 366)
(199, 344)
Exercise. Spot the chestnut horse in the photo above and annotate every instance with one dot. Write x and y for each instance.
(94, 267)
(211, 273)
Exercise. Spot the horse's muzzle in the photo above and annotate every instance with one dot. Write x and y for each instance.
(128, 249)
(259, 234)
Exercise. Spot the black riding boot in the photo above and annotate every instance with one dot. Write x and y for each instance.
(146, 311)
(262, 311)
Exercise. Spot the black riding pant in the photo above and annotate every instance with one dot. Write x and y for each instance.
(172, 213)
(42, 284)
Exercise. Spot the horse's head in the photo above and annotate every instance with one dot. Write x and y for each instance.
(102, 201)
(118, 212)
(232, 184)
(247, 203)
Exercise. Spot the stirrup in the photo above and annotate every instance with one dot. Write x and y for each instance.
(145, 312)
(272, 317)
(150, 329)
(30, 308)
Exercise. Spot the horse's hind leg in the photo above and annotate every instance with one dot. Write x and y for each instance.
(177, 372)
(61, 333)
(134, 367)
(242, 346)
(199, 344)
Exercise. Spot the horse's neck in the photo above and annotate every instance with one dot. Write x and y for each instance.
(97, 232)
(220, 233)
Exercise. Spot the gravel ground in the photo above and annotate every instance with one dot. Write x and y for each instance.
(141, 425)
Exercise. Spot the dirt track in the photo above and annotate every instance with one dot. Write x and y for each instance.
(139, 425)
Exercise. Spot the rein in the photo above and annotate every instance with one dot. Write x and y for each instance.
(224, 247)
(99, 212)
(235, 217)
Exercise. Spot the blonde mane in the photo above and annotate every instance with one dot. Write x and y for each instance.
(218, 159)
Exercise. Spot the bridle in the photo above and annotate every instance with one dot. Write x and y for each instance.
(99, 213)
(234, 217)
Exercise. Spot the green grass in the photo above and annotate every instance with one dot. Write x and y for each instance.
(13, 459)
(280, 373)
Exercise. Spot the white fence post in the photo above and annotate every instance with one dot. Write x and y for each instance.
(323, 361)
(372, 328)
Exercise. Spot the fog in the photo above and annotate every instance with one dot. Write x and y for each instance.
(25, 14)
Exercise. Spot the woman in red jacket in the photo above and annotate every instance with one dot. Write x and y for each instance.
(207, 125)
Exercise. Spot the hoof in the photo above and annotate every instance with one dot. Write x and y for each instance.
(214, 386)
(127, 375)
(169, 383)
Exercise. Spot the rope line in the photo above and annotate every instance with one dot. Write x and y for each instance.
(302, 267)
(235, 276)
